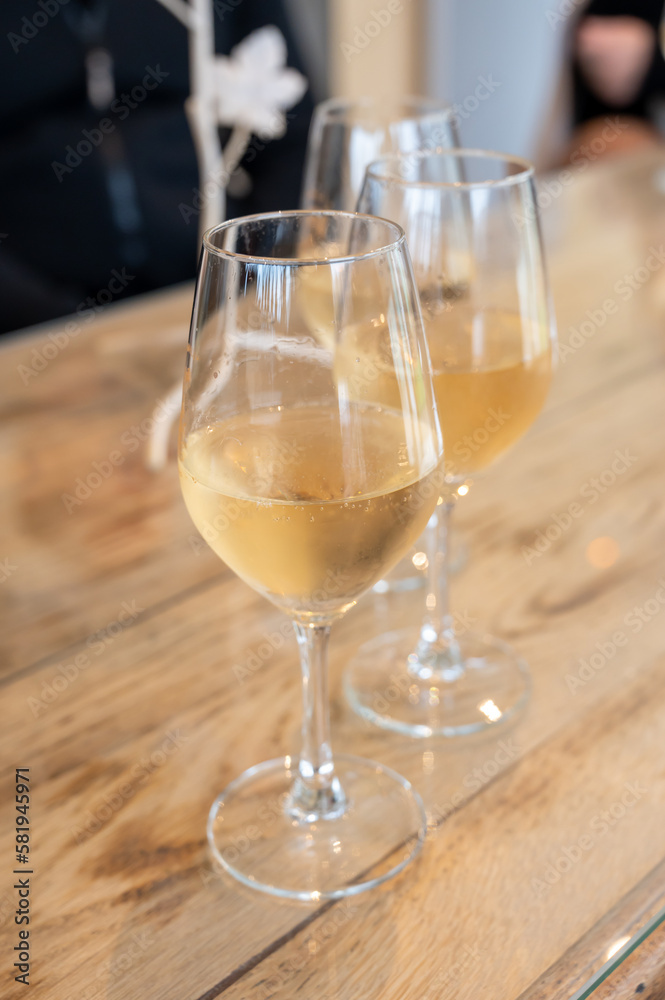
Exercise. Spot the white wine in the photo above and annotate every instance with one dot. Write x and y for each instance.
(491, 372)
(309, 507)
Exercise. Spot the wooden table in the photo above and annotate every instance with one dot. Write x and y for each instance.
(121, 632)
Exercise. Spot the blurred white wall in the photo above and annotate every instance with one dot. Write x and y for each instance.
(517, 45)
(376, 47)
(500, 60)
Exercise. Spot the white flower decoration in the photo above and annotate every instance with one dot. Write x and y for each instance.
(253, 85)
(249, 90)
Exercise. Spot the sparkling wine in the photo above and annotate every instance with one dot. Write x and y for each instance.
(308, 511)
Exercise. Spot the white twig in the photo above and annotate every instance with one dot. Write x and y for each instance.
(163, 417)
(246, 91)
(235, 149)
(211, 164)
(201, 110)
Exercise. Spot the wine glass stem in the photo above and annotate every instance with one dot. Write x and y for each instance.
(438, 653)
(316, 792)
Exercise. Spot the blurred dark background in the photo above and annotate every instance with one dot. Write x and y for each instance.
(76, 213)
(71, 223)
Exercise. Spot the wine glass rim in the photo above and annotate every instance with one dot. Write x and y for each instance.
(410, 103)
(526, 172)
(400, 238)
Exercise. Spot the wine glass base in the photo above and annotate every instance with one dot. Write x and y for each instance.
(254, 838)
(493, 688)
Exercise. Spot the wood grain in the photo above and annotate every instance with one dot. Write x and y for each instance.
(129, 744)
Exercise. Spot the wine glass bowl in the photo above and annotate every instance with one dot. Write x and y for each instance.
(310, 493)
(472, 227)
(347, 134)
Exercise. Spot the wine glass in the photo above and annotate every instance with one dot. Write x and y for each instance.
(309, 495)
(347, 134)
(472, 224)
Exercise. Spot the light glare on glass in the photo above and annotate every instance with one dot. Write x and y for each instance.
(490, 710)
(616, 946)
